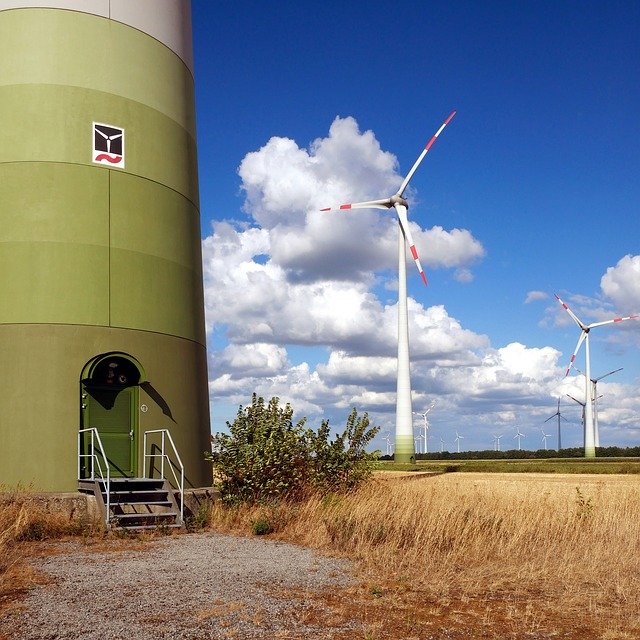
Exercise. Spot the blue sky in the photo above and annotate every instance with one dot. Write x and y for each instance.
(531, 188)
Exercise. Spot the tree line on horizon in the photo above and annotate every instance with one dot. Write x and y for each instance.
(526, 454)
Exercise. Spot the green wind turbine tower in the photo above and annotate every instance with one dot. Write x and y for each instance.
(101, 295)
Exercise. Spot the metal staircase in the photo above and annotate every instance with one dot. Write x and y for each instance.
(132, 503)
(135, 503)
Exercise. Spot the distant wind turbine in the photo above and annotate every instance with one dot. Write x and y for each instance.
(426, 425)
(405, 449)
(583, 405)
(589, 431)
(544, 438)
(387, 438)
(441, 444)
(457, 440)
(594, 400)
(519, 435)
(557, 413)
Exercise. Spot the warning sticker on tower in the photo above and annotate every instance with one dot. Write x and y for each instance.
(108, 145)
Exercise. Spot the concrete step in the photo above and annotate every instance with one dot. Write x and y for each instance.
(136, 503)
(149, 520)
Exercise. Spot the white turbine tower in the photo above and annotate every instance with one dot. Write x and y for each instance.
(426, 425)
(544, 438)
(519, 435)
(495, 442)
(441, 444)
(498, 441)
(589, 431)
(387, 438)
(457, 440)
(557, 413)
(594, 400)
(405, 451)
(584, 424)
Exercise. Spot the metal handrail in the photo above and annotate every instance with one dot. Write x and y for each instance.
(163, 455)
(95, 461)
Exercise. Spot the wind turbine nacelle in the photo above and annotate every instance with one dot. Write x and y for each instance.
(398, 200)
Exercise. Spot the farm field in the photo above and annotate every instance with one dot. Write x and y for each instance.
(480, 555)
(446, 556)
(549, 465)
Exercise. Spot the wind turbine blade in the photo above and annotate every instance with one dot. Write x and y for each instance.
(583, 335)
(428, 146)
(404, 223)
(576, 400)
(573, 315)
(613, 321)
(608, 374)
(549, 418)
(384, 203)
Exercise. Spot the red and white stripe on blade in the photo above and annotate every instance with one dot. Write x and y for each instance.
(384, 203)
(573, 315)
(583, 335)
(428, 146)
(404, 223)
(613, 321)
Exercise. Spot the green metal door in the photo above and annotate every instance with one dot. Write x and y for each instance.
(113, 412)
(110, 398)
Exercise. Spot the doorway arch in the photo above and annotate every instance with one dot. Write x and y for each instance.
(109, 400)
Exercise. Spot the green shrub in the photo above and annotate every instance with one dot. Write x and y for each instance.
(266, 457)
(261, 526)
(584, 505)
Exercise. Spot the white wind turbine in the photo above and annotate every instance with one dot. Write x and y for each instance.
(495, 442)
(426, 425)
(457, 440)
(544, 438)
(441, 444)
(387, 438)
(594, 400)
(583, 405)
(519, 435)
(498, 441)
(557, 413)
(405, 450)
(589, 432)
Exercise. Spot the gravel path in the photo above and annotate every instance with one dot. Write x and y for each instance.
(195, 586)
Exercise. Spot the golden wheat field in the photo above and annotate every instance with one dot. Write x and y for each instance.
(483, 555)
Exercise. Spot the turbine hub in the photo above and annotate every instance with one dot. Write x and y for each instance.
(399, 200)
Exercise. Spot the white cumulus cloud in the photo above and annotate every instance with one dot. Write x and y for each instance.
(286, 186)
(621, 284)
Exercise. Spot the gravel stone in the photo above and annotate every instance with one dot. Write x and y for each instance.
(191, 587)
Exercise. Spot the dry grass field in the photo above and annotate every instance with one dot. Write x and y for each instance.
(451, 556)
(23, 520)
(478, 555)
